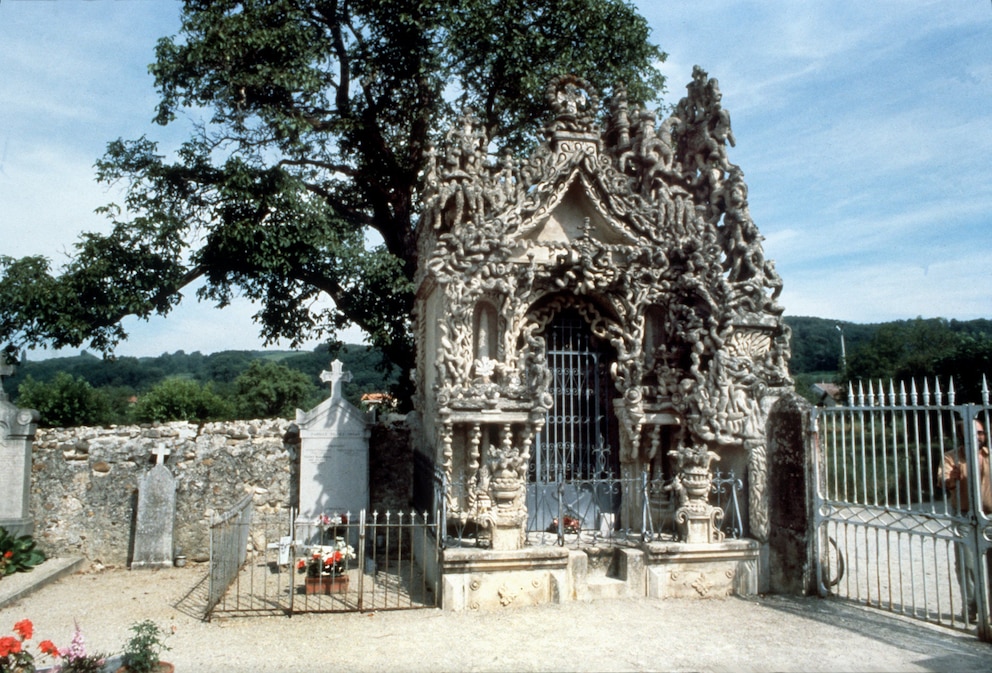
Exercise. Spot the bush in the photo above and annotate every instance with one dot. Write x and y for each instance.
(178, 399)
(269, 389)
(66, 401)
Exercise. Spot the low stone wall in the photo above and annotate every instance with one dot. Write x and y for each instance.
(84, 482)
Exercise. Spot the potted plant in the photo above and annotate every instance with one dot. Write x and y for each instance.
(326, 568)
(74, 658)
(141, 652)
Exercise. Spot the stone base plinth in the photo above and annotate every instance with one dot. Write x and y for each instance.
(486, 579)
(714, 570)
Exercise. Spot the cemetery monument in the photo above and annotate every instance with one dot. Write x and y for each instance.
(601, 309)
(17, 428)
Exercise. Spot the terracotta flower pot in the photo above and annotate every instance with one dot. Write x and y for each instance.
(327, 585)
(160, 667)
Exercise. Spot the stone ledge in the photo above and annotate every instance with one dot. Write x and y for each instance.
(17, 586)
(471, 559)
(727, 550)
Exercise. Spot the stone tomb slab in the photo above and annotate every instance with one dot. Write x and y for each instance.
(153, 534)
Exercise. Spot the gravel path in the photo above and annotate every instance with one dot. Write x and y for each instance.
(767, 634)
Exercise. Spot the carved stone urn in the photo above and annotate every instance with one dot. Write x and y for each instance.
(506, 490)
(696, 519)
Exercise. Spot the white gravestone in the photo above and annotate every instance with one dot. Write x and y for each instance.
(17, 427)
(334, 453)
(156, 516)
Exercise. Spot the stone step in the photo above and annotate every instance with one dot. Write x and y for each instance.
(606, 587)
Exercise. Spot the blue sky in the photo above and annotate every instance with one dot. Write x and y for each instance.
(864, 131)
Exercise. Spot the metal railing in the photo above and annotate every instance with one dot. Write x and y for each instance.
(333, 563)
(229, 534)
(580, 512)
(888, 534)
(382, 564)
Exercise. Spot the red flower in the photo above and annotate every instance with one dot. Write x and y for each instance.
(48, 647)
(301, 564)
(24, 628)
(8, 554)
(9, 645)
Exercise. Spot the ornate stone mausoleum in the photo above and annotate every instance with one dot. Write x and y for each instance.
(595, 318)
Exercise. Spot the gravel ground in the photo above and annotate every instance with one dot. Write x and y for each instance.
(763, 634)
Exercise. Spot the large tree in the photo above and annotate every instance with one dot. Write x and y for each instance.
(301, 181)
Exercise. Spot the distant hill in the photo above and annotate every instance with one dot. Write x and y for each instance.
(815, 343)
(222, 368)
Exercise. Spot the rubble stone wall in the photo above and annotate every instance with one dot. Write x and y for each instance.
(84, 482)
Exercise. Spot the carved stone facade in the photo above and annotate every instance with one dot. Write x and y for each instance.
(642, 231)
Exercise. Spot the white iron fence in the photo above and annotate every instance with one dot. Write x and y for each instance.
(889, 535)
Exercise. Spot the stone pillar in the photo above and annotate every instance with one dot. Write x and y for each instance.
(790, 497)
(17, 428)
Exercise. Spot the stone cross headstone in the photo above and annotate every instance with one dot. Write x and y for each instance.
(334, 453)
(17, 427)
(156, 516)
(336, 376)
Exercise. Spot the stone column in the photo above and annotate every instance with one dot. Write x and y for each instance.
(790, 529)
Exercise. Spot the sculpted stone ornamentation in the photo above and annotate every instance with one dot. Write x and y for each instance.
(641, 228)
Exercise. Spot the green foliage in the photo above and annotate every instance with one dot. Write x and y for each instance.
(305, 182)
(270, 389)
(143, 648)
(917, 349)
(66, 401)
(179, 399)
(18, 553)
(816, 345)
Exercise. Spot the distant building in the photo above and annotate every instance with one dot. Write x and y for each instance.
(827, 394)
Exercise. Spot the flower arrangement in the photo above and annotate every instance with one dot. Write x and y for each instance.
(15, 656)
(17, 553)
(326, 560)
(570, 525)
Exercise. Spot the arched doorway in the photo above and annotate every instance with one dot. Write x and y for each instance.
(576, 456)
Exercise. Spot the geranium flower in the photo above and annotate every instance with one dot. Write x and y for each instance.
(9, 645)
(24, 628)
(48, 647)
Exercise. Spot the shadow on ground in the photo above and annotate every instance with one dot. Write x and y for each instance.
(940, 647)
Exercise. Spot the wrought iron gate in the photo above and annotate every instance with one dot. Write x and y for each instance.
(888, 534)
(575, 455)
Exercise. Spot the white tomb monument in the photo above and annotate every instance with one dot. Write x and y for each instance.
(17, 427)
(334, 453)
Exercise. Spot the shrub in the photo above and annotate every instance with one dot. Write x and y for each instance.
(66, 401)
(178, 399)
